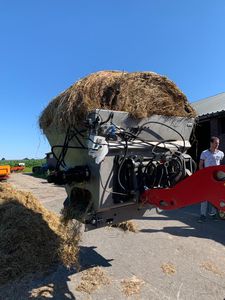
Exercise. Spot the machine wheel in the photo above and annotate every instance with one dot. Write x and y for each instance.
(37, 170)
(222, 214)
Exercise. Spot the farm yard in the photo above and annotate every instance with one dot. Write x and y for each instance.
(104, 161)
(170, 256)
(112, 165)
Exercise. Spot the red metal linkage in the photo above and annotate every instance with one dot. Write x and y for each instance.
(206, 184)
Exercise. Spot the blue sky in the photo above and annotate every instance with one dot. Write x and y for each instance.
(47, 45)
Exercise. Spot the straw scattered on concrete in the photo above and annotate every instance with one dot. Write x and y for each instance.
(44, 292)
(168, 268)
(93, 279)
(211, 267)
(32, 239)
(131, 286)
(127, 226)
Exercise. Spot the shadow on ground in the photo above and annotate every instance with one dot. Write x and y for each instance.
(210, 229)
(89, 258)
(55, 283)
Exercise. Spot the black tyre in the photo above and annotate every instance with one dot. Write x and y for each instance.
(37, 170)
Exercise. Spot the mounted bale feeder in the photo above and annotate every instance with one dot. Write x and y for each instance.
(120, 140)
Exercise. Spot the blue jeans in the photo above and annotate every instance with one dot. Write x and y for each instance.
(204, 207)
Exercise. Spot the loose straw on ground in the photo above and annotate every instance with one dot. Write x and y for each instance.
(31, 237)
(211, 267)
(131, 286)
(168, 268)
(127, 226)
(92, 280)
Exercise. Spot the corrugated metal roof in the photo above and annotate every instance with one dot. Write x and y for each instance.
(210, 105)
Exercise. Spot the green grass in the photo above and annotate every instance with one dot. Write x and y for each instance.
(29, 163)
(27, 170)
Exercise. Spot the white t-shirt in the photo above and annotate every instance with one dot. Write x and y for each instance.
(210, 158)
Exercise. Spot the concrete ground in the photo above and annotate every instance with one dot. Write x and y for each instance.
(171, 256)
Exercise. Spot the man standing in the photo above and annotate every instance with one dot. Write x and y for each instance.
(208, 158)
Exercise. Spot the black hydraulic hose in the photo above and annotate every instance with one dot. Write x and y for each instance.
(159, 123)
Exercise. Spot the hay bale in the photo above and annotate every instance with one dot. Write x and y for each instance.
(142, 94)
(31, 237)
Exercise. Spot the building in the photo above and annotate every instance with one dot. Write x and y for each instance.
(210, 122)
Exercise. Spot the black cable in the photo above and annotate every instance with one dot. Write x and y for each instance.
(110, 117)
(69, 136)
(105, 189)
(62, 146)
(60, 159)
(150, 164)
(163, 142)
(77, 138)
(121, 164)
(159, 123)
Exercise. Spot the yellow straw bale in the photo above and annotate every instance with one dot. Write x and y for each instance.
(141, 94)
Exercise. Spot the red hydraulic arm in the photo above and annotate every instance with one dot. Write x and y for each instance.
(206, 184)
